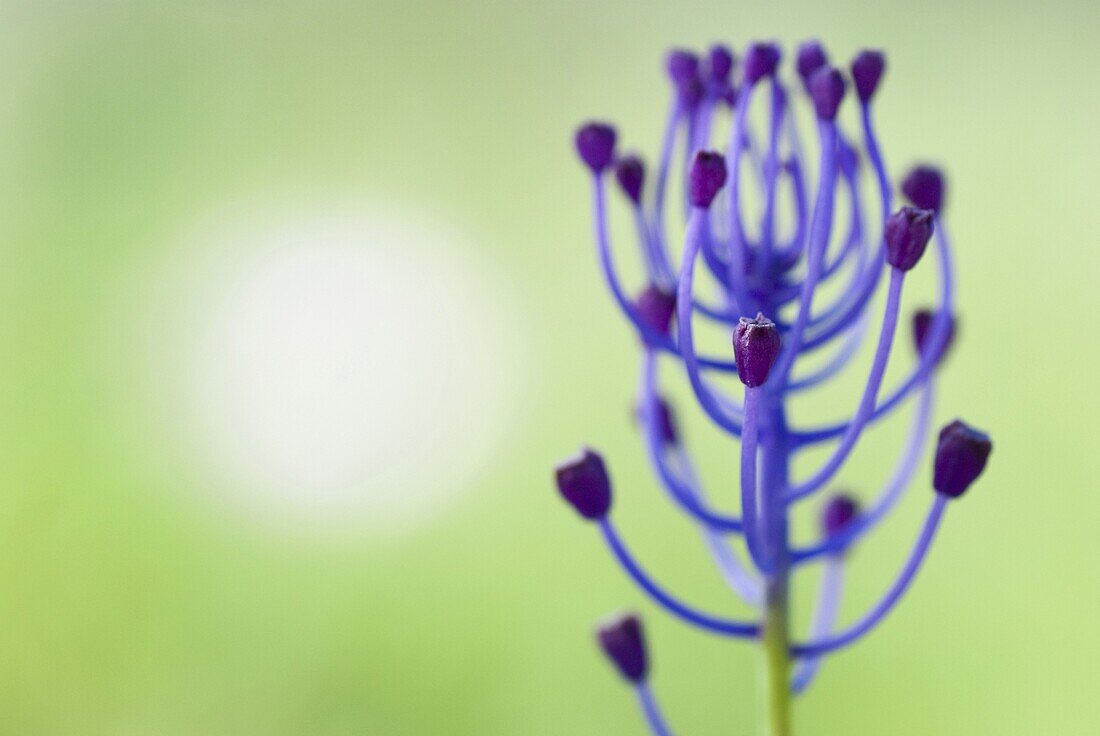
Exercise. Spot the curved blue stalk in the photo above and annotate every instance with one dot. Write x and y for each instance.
(664, 163)
(825, 612)
(750, 515)
(682, 493)
(771, 173)
(707, 399)
(844, 354)
(867, 402)
(873, 617)
(890, 493)
(654, 719)
(820, 228)
(649, 335)
(842, 317)
(726, 627)
(737, 247)
(938, 336)
(729, 565)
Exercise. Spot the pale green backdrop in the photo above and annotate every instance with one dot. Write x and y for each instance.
(139, 594)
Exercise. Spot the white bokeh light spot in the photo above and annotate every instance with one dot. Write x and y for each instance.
(348, 369)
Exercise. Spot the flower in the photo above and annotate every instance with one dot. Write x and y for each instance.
(778, 270)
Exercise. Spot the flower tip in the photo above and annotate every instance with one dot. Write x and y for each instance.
(827, 88)
(682, 66)
(811, 57)
(755, 347)
(630, 173)
(683, 69)
(907, 234)
(583, 482)
(840, 511)
(761, 60)
(867, 69)
(623, 642)
(720, 64)
(596, 145)
(923, 320)
(961, 456)
(655, 306)
(924, 186)
(708, 175)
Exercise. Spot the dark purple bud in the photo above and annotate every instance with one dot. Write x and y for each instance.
(960, 458)
(923, 320)
(656, 306)
(923, 186)
(849, 159)
(907, 234)
(827, 90)
(811, 57)
(623, 641)
(838, 513)
(666, 423)
(755, 347)
(583, 482)
(761, 60)
(665, 418)
(708, 175)
(630, 172)
(596, 145)
(720, 64)
(867, 70)
(683, 66)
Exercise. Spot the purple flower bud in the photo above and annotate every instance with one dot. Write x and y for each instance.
(630, 172)
(583, 482)
(623, 641)
(761, 60)
(666, 420)
(867, 70)
(923, 186)
(708, 175)
(666, 423)
(827, 90)
(837, 514)
(656, 306)
(907, 234)
(960, 458)
(596, 145)
(720, 64)
(755, 347)
(811, 57)
(923, 319)
(683, 66)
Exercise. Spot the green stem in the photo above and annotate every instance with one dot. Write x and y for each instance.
(777, 663)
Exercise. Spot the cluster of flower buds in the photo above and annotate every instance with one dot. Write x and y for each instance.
(757, 262)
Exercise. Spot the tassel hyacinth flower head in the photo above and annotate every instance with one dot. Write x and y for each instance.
(760, 276)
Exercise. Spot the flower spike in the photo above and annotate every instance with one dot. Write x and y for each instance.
(772, 246)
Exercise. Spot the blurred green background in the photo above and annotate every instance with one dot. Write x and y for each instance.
(298, 307)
